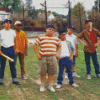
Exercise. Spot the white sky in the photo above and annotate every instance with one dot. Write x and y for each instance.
(57, 3)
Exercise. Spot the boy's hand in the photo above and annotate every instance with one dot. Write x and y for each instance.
(26, 53)
(0, 52)
(85, 44)
(71, 59)
(39, 56)
(96, 45)
(16, 52)
(57, 56)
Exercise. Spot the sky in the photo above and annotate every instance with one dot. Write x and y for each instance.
(88, 4)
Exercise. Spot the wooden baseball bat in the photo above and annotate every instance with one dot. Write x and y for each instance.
(10, 59)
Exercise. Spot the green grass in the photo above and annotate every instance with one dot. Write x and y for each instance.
(29, 90)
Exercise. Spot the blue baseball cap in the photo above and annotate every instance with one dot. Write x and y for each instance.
(50, 26)
(7, 20)
(61, 31)
(88, 20)
(71, 26)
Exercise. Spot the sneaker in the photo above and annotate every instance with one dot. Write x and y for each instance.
(66, 75)
(58, 86)
(75, 85)
(89, 77)
(51, 88)
(16, 83)
(75, 75)
(98, 75)
(42, 88)
(24, 77)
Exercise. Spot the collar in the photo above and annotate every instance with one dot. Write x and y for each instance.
(69, 35)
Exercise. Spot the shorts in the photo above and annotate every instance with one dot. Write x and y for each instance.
(74, 61)
(48, 64)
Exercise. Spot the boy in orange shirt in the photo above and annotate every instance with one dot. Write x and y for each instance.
(47, 62)
(20, 47)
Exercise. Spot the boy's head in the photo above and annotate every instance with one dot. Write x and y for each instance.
(17, 25)
(88, 23)
(50, 29)
(62, 34)
(70, 29)
(7, 23)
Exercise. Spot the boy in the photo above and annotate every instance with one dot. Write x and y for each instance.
(20, 47)
(90, 35)
(73, 39)
(7, 37)
(65, 57)
(47, 56)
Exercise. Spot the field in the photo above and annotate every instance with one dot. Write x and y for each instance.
(29, 90)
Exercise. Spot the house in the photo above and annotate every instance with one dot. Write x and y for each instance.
(4, 14)
(50, 16)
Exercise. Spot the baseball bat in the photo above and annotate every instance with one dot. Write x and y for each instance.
(10, 59)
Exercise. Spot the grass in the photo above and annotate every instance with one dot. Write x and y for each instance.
(29, 90)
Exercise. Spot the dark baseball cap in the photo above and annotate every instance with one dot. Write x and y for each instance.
(7, 20)
(50, 26)
(88, 20)
(71, 26)
(61, 31)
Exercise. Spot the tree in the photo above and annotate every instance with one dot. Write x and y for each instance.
(5, 3)
(78, 16)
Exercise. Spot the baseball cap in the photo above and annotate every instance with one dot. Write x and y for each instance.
(7, 20)
(50, 26)
(61, 31)
(17, 23)
(88, 20)
(71, 26)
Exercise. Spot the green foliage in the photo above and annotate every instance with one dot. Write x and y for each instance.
(5, 3)
(77, 8)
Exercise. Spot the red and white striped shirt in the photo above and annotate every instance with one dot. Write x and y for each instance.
(48, 45)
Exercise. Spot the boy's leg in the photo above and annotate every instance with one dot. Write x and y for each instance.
(96, 65)
(21, 60)
(50, 78)
(43, 79)
(73, 67)
(61, 70)
(87, 61)
(69, 70)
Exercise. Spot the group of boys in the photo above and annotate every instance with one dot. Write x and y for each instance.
(13, 44)
(66, 51)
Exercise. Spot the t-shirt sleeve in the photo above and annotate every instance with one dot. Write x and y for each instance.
(37, 41)
(81, 35)
(14, 34)
(76, 41)
(72, 47)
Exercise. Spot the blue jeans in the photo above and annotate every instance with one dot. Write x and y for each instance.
(9, 52)
(64, 62)
(74, 61)
(95, 62)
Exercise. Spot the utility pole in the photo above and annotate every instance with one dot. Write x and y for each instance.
(80, 18)
(23, 14)
(46, 12)
(98, 5)
(69, 12)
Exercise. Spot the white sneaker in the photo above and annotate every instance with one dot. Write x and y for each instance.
(51, 88)
(58, 86)
(75, 85)
(66, 75)
(42, 88)
(75, 75)
(24, 77)
(88, 77)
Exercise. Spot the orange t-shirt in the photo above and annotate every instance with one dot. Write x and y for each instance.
(20, 41)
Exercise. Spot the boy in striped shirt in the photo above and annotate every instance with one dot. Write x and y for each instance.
(49, 49)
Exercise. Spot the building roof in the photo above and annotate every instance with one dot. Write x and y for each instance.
(42, 15)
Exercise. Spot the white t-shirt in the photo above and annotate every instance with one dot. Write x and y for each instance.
(64, 50)
(7, 38)
(72, 38)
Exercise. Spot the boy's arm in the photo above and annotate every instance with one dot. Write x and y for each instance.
(76, 54)
(58, 51)
(71, 57)
(26, 47)
(96, 44)
(36, 51)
